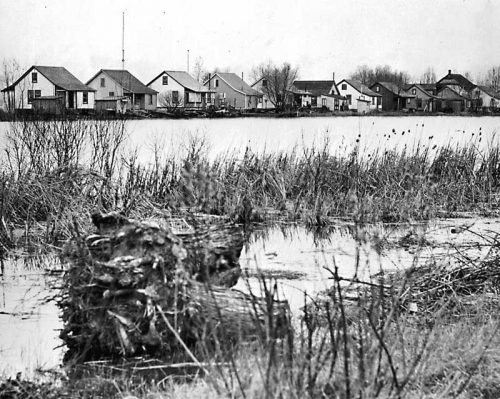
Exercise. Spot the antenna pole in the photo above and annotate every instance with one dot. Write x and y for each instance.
(123, 40)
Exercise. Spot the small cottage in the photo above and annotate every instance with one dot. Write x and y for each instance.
(231, 91)
(111, 84)
(49, 89)
(180, 89)
(359, 97)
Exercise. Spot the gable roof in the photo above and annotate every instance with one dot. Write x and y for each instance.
(360, 87)
(125, 79)
(58, 76)
(236, 83)
(422, 88)
(447, 93)
(456, 79)
(490, 91)
(391, 86)
(315, 87)
(185, 80)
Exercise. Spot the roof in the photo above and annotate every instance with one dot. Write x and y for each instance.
(58, 76)
(315, 87)
(185, 80)
(422, 87)
(393, 87)
(237, 83)
(447, 93)
(456, 79)
(361, 87)
(125, 79)
(490, 91)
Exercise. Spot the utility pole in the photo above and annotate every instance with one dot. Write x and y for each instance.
(123, 40)
(188, 61)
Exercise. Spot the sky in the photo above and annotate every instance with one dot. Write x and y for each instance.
(320, 37)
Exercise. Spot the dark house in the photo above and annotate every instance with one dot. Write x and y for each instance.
(422, 97)
(394, 97)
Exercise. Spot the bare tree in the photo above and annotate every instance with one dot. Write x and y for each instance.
(429, 76)
(11, 70)
(277, 82)
(381, 73)
(170, 100)
(492, 78)
(199, 69)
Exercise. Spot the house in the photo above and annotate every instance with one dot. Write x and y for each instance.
(394, 97)
(49, 89)
(422, 97)
(452, 101)
(113, 83)
(459, 83)
(319, 94)
(359, 97)
(261, 86)
(486, 98)
(180, 89)
(233, 91)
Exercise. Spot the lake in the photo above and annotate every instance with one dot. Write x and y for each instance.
(272, 134)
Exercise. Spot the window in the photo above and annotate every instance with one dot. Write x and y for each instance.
(111, 94)
(349, 99)
(33, 94)
(103, 82)
(373, 100)
(165, 80)
(323, 102)
(85, 97)
(175, 96)
(408, 101)
(216, 82)
(150, 99)
(377, 89)
(344, 86)
(264, 82)
(414, 91)
(34, 77)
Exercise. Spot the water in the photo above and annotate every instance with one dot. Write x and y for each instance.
(271, 134)
(28, 323)
(294, 256)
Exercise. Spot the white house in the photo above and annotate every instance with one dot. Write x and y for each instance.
(261, 86)
(112, 84)
(48, 84)
(359, 97)
(180, 89)
(486, 97)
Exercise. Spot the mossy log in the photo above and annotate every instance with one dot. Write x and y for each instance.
(135, 287)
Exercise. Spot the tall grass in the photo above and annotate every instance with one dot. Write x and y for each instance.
(75, 167)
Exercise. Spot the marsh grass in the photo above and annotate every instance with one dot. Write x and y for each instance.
(54, 171)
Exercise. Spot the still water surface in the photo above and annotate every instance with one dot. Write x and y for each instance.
(292, 255)
(273, 134)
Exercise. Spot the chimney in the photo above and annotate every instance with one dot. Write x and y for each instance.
(333, 77)
(449, 71)
(242, 76)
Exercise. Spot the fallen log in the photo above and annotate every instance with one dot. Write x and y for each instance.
(136, 288)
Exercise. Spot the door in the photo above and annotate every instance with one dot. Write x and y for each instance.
(71, 99)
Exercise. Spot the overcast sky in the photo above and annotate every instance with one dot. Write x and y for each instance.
(320, 37)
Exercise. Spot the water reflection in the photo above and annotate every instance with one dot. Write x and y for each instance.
(28, 323)
(295, 257)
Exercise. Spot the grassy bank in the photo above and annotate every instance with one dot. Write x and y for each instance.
(55, 173)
